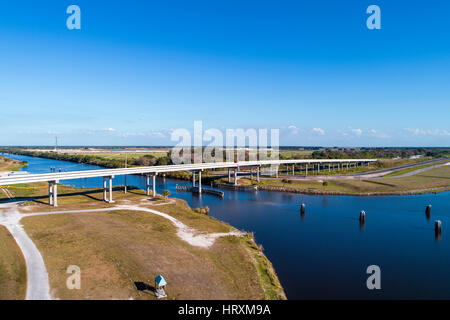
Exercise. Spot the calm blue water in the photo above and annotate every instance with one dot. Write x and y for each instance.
(325, 254)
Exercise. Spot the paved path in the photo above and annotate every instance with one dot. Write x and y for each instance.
(38, 287)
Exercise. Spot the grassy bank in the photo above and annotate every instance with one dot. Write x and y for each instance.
(433, 180)
(13, 273)
(8, 164)
(120, 252)
(408, 170)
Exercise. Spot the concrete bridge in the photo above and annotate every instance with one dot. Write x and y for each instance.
(108, 174)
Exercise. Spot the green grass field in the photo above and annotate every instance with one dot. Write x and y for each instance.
(433, 180)
(118, 249)
(7, 164)
(121, 155)
(13, 272)
(408, 170)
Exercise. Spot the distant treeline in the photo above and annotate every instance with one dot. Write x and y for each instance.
(151, 160)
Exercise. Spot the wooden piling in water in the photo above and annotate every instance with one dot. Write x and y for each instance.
(362, 216)
(438, 227)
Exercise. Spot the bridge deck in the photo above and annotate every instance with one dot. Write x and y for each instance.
(47, 177)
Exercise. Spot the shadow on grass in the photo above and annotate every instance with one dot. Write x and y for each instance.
(144, 287)
(434, 177)
(380, 183)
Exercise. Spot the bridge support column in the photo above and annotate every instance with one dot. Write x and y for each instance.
(110, 189)
(276, 174)
(200, 182)
(318, 168)
(257, 174)
(251, 174)
(125, 187)
(55, 194)
(147, 185)
(154, 185)
(293, 169)
(229, 175)
(50, 193)
(306, 169)
(193, 179)
(104, 189)
(235, 177)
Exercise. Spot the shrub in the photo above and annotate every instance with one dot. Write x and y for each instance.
(166, 193)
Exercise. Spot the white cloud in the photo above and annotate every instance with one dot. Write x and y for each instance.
(293, 129)
(428, 132)
(378, 134)
(357, 132)
(319, 131)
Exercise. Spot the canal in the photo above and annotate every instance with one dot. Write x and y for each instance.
(325, 253)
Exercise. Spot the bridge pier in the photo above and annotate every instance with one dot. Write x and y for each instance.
(306, 169)
(110, 189)
(50, 193)
(193, 179)
(200, 182)
(257, 173)
(104, 189)
(53, 193)
(229, 175)
(235, 177)
(293, 169)
(147, 185)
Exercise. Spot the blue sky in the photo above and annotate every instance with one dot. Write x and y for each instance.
(138, 69)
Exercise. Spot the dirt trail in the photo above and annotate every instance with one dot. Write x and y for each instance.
(185, 233)
(38, 287)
